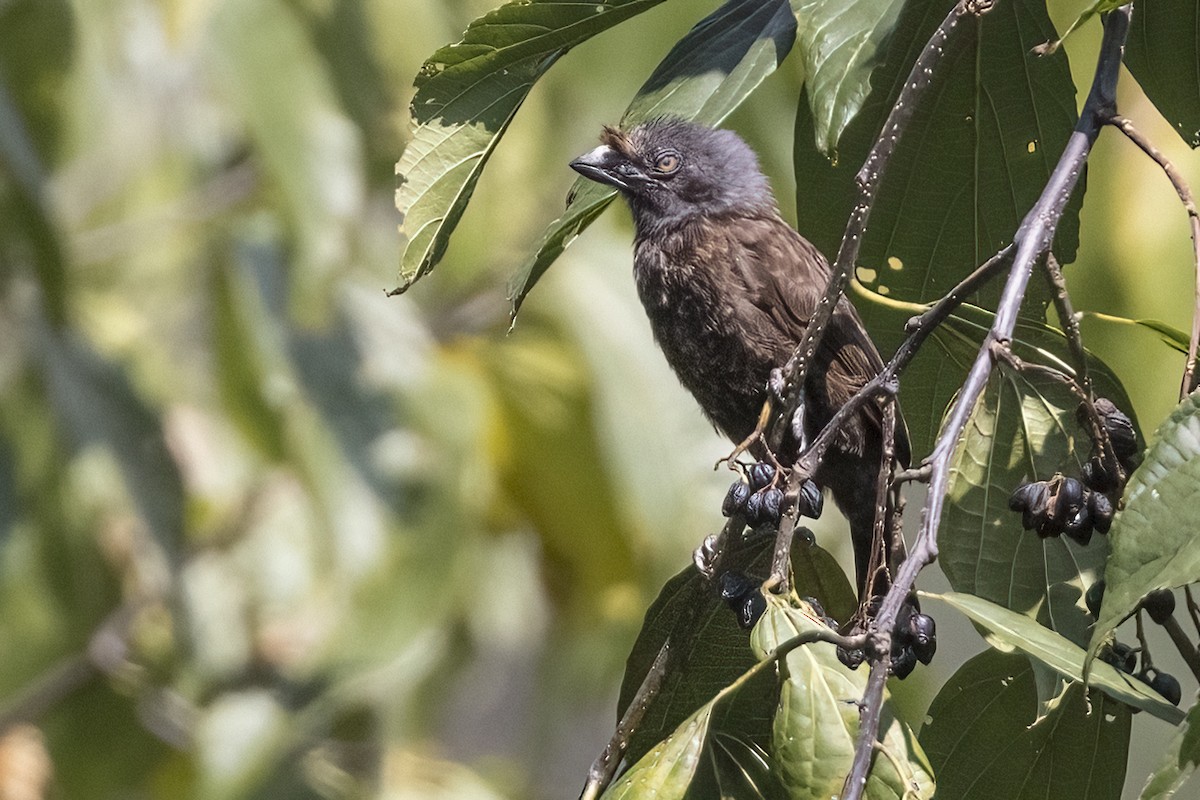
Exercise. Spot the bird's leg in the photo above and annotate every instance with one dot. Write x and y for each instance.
(754, 438)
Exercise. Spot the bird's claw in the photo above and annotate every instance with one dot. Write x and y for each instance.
(707, 555)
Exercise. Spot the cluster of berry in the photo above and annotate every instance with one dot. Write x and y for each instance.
(915, 640)
(1078, 507)
(760, 502)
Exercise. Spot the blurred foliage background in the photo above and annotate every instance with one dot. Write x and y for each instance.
(265, 532)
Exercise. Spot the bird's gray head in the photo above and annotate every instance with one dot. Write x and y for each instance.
(672, 171)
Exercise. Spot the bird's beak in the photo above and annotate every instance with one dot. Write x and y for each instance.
(604, 165)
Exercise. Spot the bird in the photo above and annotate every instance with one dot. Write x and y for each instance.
(730, 287)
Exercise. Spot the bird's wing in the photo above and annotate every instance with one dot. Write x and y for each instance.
(784, 277)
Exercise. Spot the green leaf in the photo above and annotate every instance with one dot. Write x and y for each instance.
(817, 721)
(972, 161)
(982, 743)
(665, 773)
(1009, 630)
(1163, 53)
(839, 41)
(1098, 7)
(1154, 542)
(707, 74)
(1169, 334)
(1023, 428)
(1178, 762)
(467, 94)
(711, 651)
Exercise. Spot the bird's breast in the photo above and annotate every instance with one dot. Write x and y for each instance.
(696, 325)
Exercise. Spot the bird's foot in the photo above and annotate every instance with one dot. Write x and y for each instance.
(757, 436)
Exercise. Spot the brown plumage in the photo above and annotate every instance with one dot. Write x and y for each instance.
(730, 287)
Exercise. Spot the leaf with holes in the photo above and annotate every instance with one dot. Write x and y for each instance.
(974, 158)
(981, 744)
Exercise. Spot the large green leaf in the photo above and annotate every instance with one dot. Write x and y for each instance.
(1009, 630)
(1154, 542)
(707, 74)
(1163, 53)
(817, 721)
(467, 94)
(1023, 428)
(711, 652)
(981, 744)
(839, 41)
(972, 160)
(1178, 762)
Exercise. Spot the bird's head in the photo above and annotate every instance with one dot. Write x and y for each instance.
(672, 171)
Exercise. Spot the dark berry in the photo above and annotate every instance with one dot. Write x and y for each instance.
(735, 498)
(1166, 685)
(1160, 605)
(1079, 525)
(752, 607)
(1121, 434)
(734, 586)
(1027, 495)
(1068, 499)
(903, 663)
(1097, 477)
(922, 637)
(772, 504)
(1123, 657)
(753, 510)
(850, 658)
(1102, 512)
(1095, 598)
(810, 501)
(1031, 500)
(760, 475)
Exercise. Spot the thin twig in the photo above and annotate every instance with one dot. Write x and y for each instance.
(1193, 609)
(919, 329)
(1032, 240)
(920, 78)
(868, 727)
(1140, 632)
(780, 581)
(708, 560)
(1069, 322)
(105, 652)
(1190, 378)
(605, 765)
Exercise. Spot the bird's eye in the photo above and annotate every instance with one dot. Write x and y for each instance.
(666, 163)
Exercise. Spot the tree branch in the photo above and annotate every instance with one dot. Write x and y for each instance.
(920, 78)
(1032, 241)
(605, 766)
